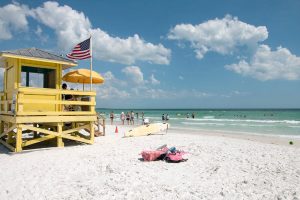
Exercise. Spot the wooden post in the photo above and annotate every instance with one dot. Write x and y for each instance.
(92, 132)
(92, 100)
(19, 139)
(5, 106)
(60, 142)
(19, 105)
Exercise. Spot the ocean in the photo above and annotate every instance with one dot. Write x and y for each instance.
(280, 122)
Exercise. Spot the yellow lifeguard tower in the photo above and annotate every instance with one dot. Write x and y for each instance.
(32, 107)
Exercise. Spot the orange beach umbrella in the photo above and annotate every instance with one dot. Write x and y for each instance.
(83, 76)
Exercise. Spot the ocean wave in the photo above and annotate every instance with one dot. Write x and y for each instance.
(250, 120)
(196, 123)
(228, 124)
(294, 126)
(208, 117)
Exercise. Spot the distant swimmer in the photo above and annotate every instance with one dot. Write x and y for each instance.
(187, 115)
(193, 115)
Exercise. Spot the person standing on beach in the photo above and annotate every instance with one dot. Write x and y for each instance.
(132, 117)
(142, 118)
(137, 117)
(122, 116)
(163, 117)
(127, 118)
(111, 116)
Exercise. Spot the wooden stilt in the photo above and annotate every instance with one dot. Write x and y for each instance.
(60, 142)
(19, 139)
(92, 132)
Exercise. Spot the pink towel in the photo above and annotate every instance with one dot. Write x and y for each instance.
(150, 155)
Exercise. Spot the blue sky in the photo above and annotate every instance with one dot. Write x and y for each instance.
(172, 54)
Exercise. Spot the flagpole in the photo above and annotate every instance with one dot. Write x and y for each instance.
(91, 66)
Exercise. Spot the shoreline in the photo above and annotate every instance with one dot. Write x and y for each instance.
(269, 139)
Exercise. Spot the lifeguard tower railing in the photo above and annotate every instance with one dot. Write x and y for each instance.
(44, 112)
(44, 101)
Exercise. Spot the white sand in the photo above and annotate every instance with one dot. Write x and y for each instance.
(218, 168)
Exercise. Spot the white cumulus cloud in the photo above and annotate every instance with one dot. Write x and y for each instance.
(13, 17)
(69, 25)
(111, 92)
(153, 80)
(112, 87)
(72, 26)
(219, 35)
(269, 65)
(135, 74)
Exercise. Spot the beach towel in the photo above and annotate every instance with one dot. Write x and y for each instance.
(164, 153)
(178, 156)
(151, 155)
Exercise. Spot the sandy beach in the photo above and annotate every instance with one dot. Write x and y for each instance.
(218, 168)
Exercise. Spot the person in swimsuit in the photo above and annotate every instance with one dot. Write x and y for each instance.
(111, 116)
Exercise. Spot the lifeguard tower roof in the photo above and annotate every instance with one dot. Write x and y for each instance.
(38, 54)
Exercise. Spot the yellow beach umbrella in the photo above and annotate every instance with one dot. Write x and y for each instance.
(83, 76)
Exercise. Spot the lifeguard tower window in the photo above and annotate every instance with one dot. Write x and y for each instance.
(38, 77)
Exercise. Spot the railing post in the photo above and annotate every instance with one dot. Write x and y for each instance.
(92, 102)
(19, 106)
(5, 106)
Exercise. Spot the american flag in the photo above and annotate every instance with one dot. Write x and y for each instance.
(81, 51)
